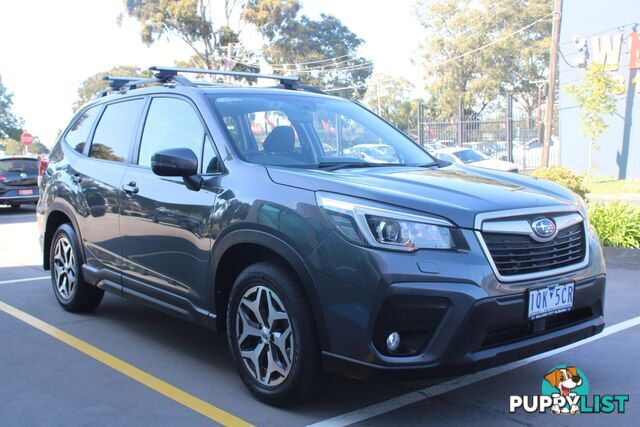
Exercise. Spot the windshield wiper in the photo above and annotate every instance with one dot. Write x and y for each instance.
(428, 165)
(332, 166)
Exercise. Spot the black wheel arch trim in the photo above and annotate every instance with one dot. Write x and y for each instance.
(281, 247)
(61, 205)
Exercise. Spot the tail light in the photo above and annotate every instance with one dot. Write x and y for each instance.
(42, 166)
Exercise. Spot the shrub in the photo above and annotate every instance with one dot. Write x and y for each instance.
(565, 177)
(616, 223)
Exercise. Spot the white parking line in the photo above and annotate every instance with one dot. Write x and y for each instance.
(459, 382)
(30, 279)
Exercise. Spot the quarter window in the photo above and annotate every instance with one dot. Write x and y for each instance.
(171, 123)
(115, 131)
(78, 135)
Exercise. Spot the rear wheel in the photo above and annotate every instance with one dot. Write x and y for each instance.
(69, 287)
(272, 336)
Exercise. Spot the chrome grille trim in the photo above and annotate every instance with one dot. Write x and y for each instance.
(564, 216)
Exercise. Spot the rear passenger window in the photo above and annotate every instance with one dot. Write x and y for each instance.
(171, 123)
(78, 135)
(115, 131)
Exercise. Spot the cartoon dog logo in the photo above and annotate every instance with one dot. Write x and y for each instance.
(565, 379)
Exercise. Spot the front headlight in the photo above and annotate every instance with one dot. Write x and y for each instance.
(361, 222)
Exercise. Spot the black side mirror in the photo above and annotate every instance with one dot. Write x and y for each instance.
(181, 162)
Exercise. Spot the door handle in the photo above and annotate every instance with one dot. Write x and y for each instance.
(130, 188)
(76, 178)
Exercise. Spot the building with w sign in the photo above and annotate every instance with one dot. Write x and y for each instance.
(607, 33)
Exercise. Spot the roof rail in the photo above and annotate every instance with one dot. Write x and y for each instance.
(118, 83)
(170, 75)
(170, 72)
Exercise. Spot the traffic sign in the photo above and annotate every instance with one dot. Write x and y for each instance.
(26, 138)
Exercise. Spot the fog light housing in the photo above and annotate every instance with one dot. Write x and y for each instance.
(393, 341)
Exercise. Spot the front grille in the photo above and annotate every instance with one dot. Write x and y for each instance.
(515, 254)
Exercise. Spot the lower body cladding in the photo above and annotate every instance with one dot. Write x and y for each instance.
(384, 327)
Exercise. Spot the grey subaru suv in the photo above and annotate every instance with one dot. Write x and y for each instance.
(319, 237)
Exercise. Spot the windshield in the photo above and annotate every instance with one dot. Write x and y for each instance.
(304, 131)
(19, 165)
(470, 156)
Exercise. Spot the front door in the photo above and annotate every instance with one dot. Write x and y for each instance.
(164, 225)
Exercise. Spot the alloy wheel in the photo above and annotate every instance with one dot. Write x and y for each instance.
(264, 336)
(64, 268)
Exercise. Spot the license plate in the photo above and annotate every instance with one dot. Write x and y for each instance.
(552, 299)
(25, 192)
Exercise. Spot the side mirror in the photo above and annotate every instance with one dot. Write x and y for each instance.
(181, 162)
(175, 162)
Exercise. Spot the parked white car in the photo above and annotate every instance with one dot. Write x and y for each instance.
(474, 158)
(373, 153)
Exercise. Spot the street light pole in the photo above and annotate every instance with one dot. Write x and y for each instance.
(553, 70)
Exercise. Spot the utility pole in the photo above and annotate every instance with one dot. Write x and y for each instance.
(553, 71)
(229, 56)
(378, 96)
(542, 84)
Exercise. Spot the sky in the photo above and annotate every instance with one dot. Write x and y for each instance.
(48, 48)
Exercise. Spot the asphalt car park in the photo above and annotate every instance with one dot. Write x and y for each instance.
(126, 364)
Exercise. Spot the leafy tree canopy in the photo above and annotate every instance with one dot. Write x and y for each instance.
(506, 60)
(194, 22)
(11, 146)
(302, 45)
(391, 99)
(291, 38)
(10, 125)
(93, 85)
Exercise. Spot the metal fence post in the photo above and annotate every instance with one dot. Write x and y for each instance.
(460, 119)
(509, 127)
(421, 124)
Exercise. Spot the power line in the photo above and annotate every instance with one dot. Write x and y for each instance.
(327, 62)
(458, 56)
(617, 27)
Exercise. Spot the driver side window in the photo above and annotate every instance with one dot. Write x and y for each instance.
(170, 123)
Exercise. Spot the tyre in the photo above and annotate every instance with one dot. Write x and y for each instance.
(272, 336)
(69, 287)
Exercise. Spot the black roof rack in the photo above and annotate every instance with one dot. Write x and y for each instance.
(171, 72)
(170, 75)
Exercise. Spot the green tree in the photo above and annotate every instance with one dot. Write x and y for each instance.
(322, 51)
(391, 99)
(474, 51)
(11, 146)
(38, 148)
(191, 21)
(93, 85)
(596, 96)
(10, 125)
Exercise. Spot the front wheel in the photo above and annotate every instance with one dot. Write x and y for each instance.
(69, 287)
(272, 336)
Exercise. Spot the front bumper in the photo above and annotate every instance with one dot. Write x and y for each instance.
(475, 335)
(469, 321)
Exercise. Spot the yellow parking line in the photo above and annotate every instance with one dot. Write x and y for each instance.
(200, 406)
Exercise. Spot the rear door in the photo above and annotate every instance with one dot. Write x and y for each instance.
(165, 226)
(99, 175)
